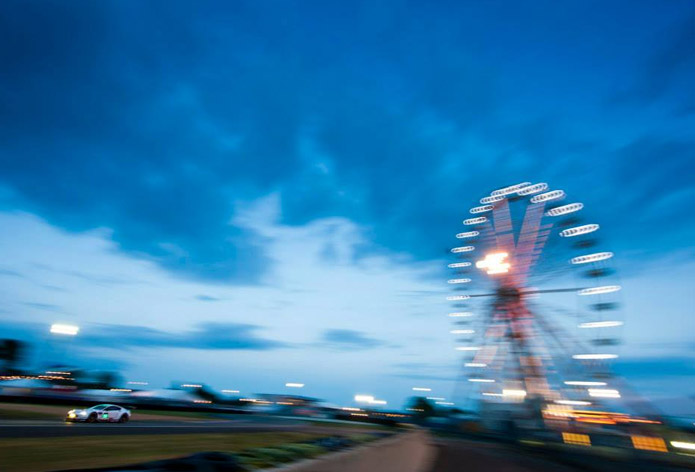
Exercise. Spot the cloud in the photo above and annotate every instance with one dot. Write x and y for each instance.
(216, 336)
(206, 298)
(349, 339)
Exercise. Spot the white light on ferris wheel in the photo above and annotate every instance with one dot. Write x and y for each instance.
(601, 324)
(584, 229)
(458, 281)
(468, 348)
(462, 331)
(510, 189)
(463, 249)
(585, 357)
(531, 189)
(461, 314)
(491, 199)
(599, 290)
(599, 256)
(565, 209)
(456, 265)
(454, 298)
(475, 221)
(548, 196)
(481, 209)
(469, 234)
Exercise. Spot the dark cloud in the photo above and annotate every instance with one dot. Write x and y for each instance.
(153, 119)
(349, 340)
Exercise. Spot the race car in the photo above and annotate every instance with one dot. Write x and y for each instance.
(99, 413)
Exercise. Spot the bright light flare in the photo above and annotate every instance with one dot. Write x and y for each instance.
(469, 234)
(475, 364)
(468, 348)
(422, 389)
(583, 383)
(603, 393)
(573, 402)
(294, 385)
(70, 330)
(462, 331)
(482, 380)
(461, 314)
(494, 263)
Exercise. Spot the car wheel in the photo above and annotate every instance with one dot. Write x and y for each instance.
(123, 419)
(92, 418)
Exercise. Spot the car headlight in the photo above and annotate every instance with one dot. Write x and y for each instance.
(71, 415)
(83, 413)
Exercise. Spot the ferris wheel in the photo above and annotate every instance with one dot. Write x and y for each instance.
(535, 310)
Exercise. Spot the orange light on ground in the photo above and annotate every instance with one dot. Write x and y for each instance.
(577, 439)
(648, 443)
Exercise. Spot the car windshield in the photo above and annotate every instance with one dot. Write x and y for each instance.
(98, 407)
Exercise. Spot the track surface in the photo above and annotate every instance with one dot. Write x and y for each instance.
(50, 429)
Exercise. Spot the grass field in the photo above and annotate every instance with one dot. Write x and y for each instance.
(47, 454)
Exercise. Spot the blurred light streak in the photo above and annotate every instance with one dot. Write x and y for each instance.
(601, 324)
(294, 385)
(577, 439)
(422, 389)
(594, 356)
(70, 330)
(469, 234)
(573, 402)
(585, 383)
(604, 393)
(683, 445)
(461, 314)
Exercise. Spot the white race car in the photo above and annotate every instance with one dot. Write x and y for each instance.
(100, 413)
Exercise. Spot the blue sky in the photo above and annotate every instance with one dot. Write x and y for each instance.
(255, 191)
